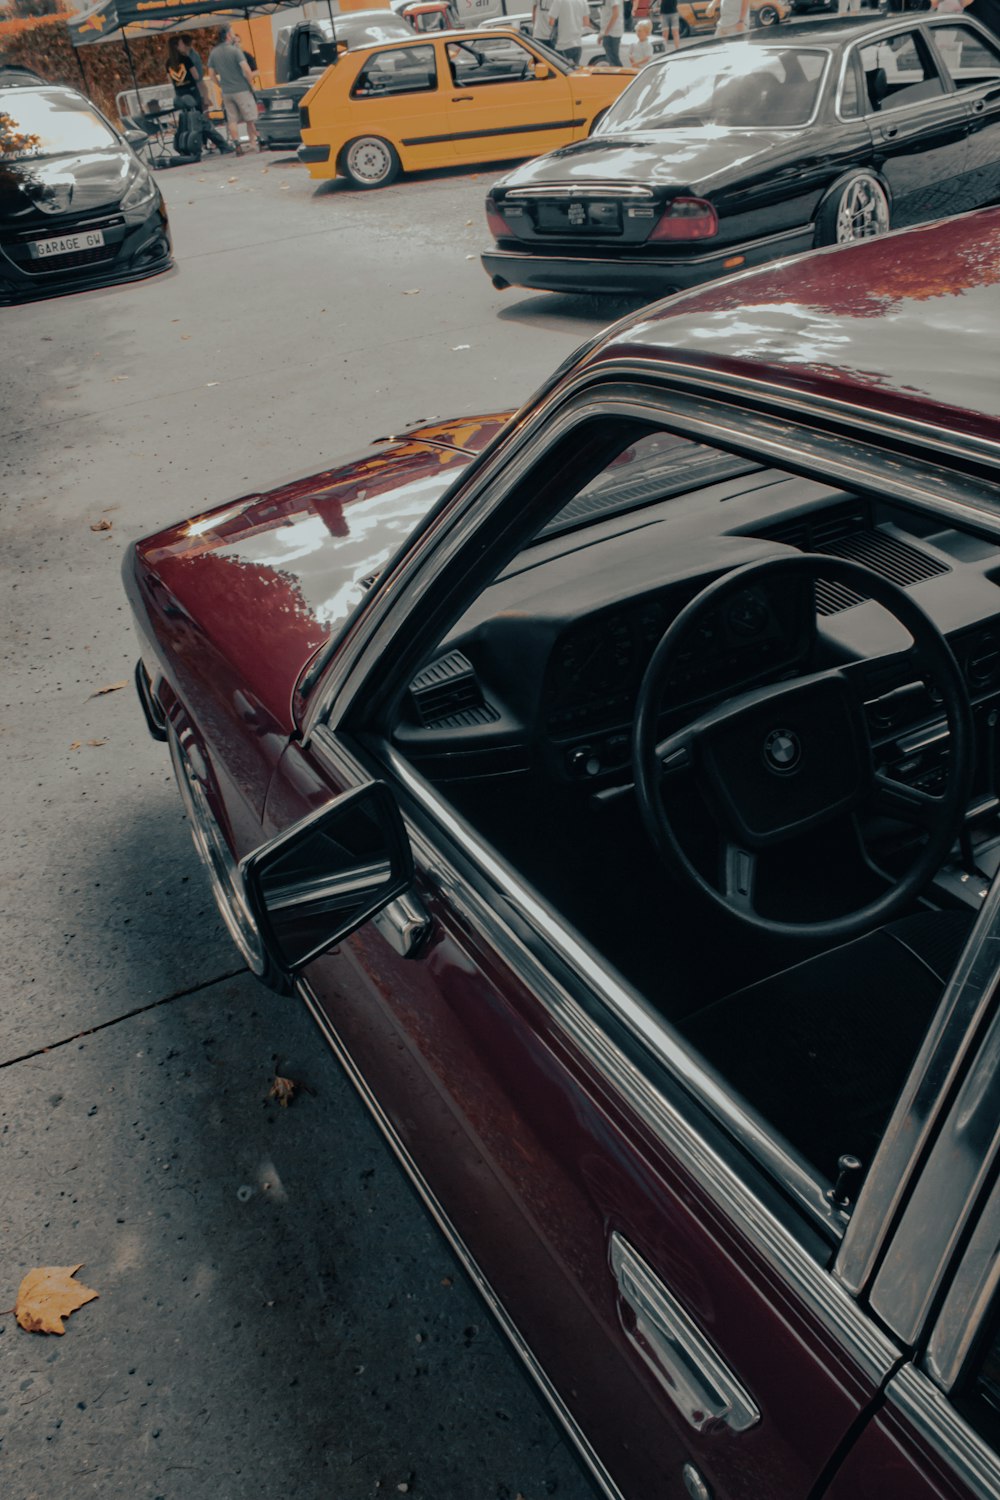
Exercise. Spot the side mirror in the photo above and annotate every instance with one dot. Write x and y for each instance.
(136, 138)
(313, 886)
(542, 70)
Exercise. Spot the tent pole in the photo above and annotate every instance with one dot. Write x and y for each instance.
(131, 68)
(83, 75)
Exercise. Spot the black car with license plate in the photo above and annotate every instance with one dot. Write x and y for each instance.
(739, 151)
(302, 52)
(78, 209)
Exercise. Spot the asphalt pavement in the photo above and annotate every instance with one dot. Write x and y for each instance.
(277, 1314)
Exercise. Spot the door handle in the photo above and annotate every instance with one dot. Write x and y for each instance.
(706, 1393)
(979, 106)
(461, 98)
(889, 132)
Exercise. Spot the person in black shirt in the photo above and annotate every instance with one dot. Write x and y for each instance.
(187, 74)
(185, 71)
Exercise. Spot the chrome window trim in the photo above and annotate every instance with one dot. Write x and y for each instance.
(971, 1299)
(940, 1061)
(955, 1175)
(872, 1350)
(970, 1461)
(598, 1473)
(605, 189)
(702, 407)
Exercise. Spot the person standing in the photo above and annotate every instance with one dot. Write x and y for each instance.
(670, 25)
(641, 50)
(569, 19)
(186, 72)
(541, 23)
(230, 71)
(612, 26)
(731, 16)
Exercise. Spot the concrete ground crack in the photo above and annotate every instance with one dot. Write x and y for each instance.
(127, 1016)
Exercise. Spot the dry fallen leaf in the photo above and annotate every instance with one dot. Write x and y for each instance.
(47, 1295)
(76, 744)
(103, 525)
(96, 743)
(413, 292)
(283, 1089)
(112, 687)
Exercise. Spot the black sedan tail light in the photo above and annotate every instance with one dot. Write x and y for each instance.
(304, 116)
(686, 219)
(498, 226)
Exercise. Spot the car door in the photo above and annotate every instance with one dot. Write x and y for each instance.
(398, 95)
(498, 108)
(972, 61)
(672, 1299)
(919, 127)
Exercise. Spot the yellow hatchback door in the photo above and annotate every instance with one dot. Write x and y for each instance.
(498, 106)
(400, 96)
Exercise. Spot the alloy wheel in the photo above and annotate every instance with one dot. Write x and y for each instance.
(863, 211)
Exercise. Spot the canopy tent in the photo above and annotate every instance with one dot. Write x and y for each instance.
(118, 20)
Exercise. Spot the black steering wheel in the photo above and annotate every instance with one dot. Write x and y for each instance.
(778, 760)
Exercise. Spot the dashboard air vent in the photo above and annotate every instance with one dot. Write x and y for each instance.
(886, 554)
(447, 691)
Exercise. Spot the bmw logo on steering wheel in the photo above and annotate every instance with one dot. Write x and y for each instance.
(782, 751)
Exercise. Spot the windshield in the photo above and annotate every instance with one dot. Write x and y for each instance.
(43, 122)
(727, 86)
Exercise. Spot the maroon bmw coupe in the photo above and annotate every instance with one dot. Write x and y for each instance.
(618, 784)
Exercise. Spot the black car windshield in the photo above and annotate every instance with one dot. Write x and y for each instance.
(734, 85)
(49, 122)
(367, 33)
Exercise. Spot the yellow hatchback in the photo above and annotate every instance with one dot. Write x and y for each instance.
(462, 96)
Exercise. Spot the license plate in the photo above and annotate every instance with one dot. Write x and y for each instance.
(67, 244)
(593, 218)
(282, 104)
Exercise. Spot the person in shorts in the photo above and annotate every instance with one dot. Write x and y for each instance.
(231, 72)
(670, 25)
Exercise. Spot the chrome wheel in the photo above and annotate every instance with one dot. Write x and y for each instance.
(216, 855)
(370, 162)
(768, 16)
(862, 212)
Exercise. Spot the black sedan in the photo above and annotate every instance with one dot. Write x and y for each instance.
(736, 152)
(78, 209)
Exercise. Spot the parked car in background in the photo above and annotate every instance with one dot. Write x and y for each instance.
(78, 208)
(302, 52)
(459, 96)
(731, 153)
(618, 788)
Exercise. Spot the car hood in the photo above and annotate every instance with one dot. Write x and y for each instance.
(703, 158)
(49, 186)
(264, 583)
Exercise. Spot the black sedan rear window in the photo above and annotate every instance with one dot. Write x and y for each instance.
(49, 122)
(728, 86)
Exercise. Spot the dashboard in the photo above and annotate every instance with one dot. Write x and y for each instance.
(543, 672)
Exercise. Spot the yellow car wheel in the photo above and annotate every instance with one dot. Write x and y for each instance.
(369, 162)
(768, 15)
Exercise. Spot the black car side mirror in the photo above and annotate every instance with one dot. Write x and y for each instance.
(313, 886)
